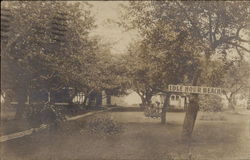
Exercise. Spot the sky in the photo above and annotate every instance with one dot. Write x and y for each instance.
(104, 11)
(111, 32)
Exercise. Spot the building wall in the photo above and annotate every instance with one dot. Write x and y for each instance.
(177, 101)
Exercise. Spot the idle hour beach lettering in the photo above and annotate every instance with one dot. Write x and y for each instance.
(194, 89)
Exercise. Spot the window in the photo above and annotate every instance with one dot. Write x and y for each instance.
(177, 98)
(172, 98)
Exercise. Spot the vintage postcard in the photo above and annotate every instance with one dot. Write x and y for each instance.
(125, 80)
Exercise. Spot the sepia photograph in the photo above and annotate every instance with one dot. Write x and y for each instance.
(125, 80)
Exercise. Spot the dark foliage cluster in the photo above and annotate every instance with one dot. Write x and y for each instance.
(45, 114)
(103, 125)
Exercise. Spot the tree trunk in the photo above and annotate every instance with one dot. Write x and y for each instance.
(148, 99)
(108, 99)
(21, 99)
(92, 98)
(85, 101)
(164, 109)
(143, 102)
(98, 99)
(72, 95)
(191, 111)
(190, 117)
(231, 104)
(148, 102)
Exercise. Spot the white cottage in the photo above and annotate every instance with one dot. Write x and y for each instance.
(175, 101)
(178, 101)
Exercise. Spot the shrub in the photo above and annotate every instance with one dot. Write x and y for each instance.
(210, 103)
(45, 114)
(152, 111)
(103, 124)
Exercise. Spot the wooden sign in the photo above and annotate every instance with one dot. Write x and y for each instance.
(194, 89)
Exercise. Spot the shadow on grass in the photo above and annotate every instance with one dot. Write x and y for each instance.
(127, 109)
(139, 109)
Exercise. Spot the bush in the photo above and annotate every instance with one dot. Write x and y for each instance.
(152, 111)
(103, 124)
(45, 114)
(210, 103)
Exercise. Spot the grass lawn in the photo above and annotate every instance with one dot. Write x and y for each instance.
(142, 138)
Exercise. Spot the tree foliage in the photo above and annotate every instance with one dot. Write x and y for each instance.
(191, 36)
(47, 46)
(32, 56)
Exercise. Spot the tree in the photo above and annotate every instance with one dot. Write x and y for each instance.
(217, 30)
(37, 53)
(211, 28)
(210, 103)
(168, 47)
(236, 81)
(232, 77)
(116, 76)
(105, 73)
(144, 74)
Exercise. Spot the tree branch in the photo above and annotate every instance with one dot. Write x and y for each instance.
(237, 45)
(232, 93)
(190, 20)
